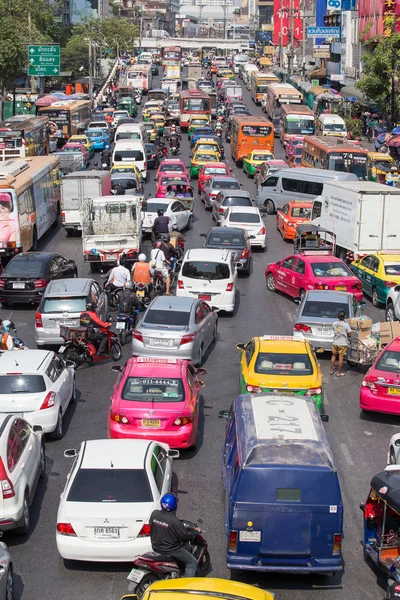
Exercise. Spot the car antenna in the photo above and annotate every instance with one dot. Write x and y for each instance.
(111, 464)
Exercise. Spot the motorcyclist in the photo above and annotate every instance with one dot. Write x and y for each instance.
(168, 534)
(174, 140)
(106, 156)
(126, 299)
(160, 263)
(160, 225)
(118, 276)
(176, 238)
(170, 252)
(142, 271)
(90, 320)
(120, 190)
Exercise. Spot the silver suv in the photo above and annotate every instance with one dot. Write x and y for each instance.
(62, 304)
(393, 304)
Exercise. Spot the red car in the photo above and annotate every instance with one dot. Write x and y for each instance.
(301, 272)
(165, 179)
(211, 170)
(291, 145)
(380, 388)
(76, 147)
(156, 399)
(172, 165)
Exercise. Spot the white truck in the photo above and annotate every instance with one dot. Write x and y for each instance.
(75, 189)
(194, 71)
(111, 229)
(362, 214)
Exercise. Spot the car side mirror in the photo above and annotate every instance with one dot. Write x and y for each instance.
(173, 454)
(278, 209)
(325, 418)
(129, 597)
(70, 364)
(297, 300)
(362, 506)
(71, 453)
(362, 304)
(240, 346)
(38, 429)
(397, 288)
(319, 350)
(203, 235)
(116, 368)
(201, 372)
(238, 265)
(223, 414)
(397, 443)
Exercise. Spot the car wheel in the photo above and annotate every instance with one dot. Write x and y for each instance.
(189, 223)
(374, 298)
(199, 357)
(144, 584)
(23, 529)
(58, 432)
(270, 207)
(271, 283)
(42, 461)
(392, 457)
(73, 395)
(390, 313)
(10, 583)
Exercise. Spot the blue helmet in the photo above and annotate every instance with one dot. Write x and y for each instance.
(169, 502)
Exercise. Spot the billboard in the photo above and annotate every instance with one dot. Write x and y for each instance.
(282, 22)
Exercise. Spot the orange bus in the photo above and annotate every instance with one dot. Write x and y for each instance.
(193, 102)
(250, 133)
(295, 121)
(336, 155)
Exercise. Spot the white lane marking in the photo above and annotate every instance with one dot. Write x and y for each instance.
(346, 453)
(326, 400)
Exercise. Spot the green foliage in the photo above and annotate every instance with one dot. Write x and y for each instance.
(355, 127)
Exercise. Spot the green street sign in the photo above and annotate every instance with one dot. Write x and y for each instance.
(44, 60)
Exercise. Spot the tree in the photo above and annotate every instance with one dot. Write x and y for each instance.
(75, 55)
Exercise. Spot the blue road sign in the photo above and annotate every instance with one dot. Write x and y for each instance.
(323, 32)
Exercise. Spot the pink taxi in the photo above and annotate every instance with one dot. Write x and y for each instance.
(156, 399)
(380, 388)
(311, 271)
(171, 165)
(166, 179)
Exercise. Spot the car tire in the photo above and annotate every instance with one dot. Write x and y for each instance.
(189, 223)
(10, 589)
(270, 207)
(199, 358)
(271, 283)
(42, 472)
(144, 584)
(390, 313)
(58, 432)
(24, 528)
(73, 395)
(374, 297)
(392, 457)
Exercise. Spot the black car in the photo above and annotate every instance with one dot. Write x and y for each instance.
(230, 238)
(276, 122)
(151, 156)
(154, 69)
(26, 276)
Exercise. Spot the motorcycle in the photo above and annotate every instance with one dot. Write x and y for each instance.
(9, 339)
(112, 295)
(125, 324)
(142, 292)
(174, 150)
(151, 567)
(81, 351)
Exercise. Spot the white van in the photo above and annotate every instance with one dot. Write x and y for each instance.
(129, 131)
(211, 275)
(239, 59)
(329, 124)
(295, 184)
(131, 151)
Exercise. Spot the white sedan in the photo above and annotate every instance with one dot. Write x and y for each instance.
(393, 457)
(38, 386)
(179, 214)
(111, 491)
(248, 218)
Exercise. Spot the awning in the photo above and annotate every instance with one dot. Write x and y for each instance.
(317, 73)
(352, 92)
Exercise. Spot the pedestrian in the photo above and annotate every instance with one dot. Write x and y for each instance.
(341, 332)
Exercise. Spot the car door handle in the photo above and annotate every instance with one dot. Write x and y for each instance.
(30, 447)
(22, 465)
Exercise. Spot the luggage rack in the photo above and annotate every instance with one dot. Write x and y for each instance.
(73, 333)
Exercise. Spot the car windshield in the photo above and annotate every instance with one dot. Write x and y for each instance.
(244, 218)
(340, 127)
(153, 389)
(229, 240)
(261, 157)
(24, 267)
(301, 212)
(328, 309)
(277, 363)
(176, 318)
(203, 157)
(225, 185)
(207, 146)
(392, 269)
(95, 134)
(237, 201)
(389, 361)
(22, 384)
(331, 269)
(205, 270)
(215, 171)
(110, 485)
(64, 305)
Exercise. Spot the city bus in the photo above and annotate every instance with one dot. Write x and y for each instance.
(336, 155)
(30, 202)
(24, 135)
(279, 94)
(259, 83)
(250, 133)
(139, 76)
(193, 102)
(295, 121)
(66, 118)
(171, 53)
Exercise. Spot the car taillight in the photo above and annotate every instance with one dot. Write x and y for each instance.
(145, 165)
(49, 401)
(233, 540)
(337, 544)
(357, 286)
(119, 418)
(7, 487)
(187, 339)
(262, 231)
(180, 285)
(145, 531)
(229, 287)
(313, 391)
(302, 327)
(321, 286)
(221, 210)
(65, 529)
(253, 389)
(63, 217)
(154, 156)
(369, 384)
(245, 254)
(138, 336)
(179, 421)
(390, 284)
(2, 283)
(38, 319)
(39, 283)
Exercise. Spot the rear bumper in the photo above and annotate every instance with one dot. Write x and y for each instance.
(184, 437)
(74, 548)
(22, 296)
(315, 341)
(248, 563)
(379, 402)
(47, 418)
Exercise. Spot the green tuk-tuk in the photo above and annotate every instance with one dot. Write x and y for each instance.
(128, 104)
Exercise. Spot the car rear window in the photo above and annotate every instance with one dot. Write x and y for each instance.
(153, 389)
(392, 269)
(128, 155)
(230, 240)
(205, 270)
(301, 212)
(277, 363)
(152, 207)
(95, 134)
(225, 185)
(215, 171)
(22, 384)
(24, 267)
(110, 486)
(128, 135)
(237, 201)
(177, 318)
(244, 218)
(127, 184)
(171, 167)
(333, 269)
(330, 310)
(61, 305)
(389, 361)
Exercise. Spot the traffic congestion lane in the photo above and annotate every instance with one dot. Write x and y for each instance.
(359, 445)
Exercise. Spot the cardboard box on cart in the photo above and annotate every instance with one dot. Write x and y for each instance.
(388, 331)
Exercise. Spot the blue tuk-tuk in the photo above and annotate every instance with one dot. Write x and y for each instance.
(283, 505)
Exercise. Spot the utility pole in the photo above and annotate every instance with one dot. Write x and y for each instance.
(303, 48)
(90, 70)
(291, 38)
(280, 35)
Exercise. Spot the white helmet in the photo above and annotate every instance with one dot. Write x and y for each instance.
(142, 257)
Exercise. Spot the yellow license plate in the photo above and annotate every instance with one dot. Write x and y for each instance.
(340, 288)
(151, 423)
(394, 391)
(140, 293)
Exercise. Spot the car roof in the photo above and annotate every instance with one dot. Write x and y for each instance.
(91, 129)
(117, 454)
(223, 230)
(71, 287)
(128, 144)
(237, 193)
(244, 209)
(178, 303)
(208, 254)
(38, 256)
(282, 343)
(318, 258)
(153, 366)
(328, 296)
(212, 165)
(224, 178)
(165, 201)
(388, 257)
(28, 361)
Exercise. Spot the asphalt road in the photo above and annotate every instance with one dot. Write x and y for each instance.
(359, 442)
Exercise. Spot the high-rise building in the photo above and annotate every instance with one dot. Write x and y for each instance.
(82, 10)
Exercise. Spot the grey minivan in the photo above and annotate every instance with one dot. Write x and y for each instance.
(62, 304)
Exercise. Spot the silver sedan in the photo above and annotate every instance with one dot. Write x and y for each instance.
(6, 572)
(213, 186)
(176, 327)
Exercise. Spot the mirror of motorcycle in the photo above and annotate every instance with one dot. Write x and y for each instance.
(116, 368)
(70, 453)
(362, 506)
(173, 453)
(223, 414)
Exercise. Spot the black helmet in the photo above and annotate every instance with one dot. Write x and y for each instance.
(90, 305)
(160, 212)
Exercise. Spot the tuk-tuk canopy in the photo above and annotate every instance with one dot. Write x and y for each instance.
(387, 485)
(311, 229)
(313, 238)
(187, 189)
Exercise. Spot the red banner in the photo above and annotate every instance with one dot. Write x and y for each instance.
(282, 22)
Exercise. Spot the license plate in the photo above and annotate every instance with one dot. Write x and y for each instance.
(321, 330)
(61, 350)
(18, 286)
(394, 391)
(140, 293)
(160, 342)
(110, 257)
(204, 296)
(151, 423)
(340, 288)
(135, 575)
(120, 325)
(67, 322)
(106, 532)
(250, 536)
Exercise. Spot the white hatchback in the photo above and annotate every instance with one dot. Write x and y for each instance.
(37, 385)
(248, 218)
(210, 275)
(111, 491)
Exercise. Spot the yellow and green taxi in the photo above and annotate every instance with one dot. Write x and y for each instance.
(197, 121)
(382, 167)
(150, 111)
(159, 122)
(255, 159)
(227, 74)
(201, 588)
(377, 273)
(127, 168)
(204, 144)
(151, 131)
(199, 159)
(84, 140)
(276, 362)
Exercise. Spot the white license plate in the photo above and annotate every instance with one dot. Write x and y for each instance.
(136, 575)
(61, 350)
(106, 532)
(322, 330)
(110, 257)
(250, 536)
(120, 325)
(67, 322)
(160, 342)
(18, 286)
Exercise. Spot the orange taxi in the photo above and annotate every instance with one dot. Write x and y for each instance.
(292, 214)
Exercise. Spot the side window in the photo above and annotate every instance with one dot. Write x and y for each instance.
(291, 185)
(52, 266)
(190, 380)
(23, 430)
(249, 352)
(300, 267)
(288, 264)
(355, 307)
(374, 264)
(156, 467)
(199, 314)
(285, 209)
(206, 309)
(14, 448)
(270, 182)
(366, 262)
(95, 292)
